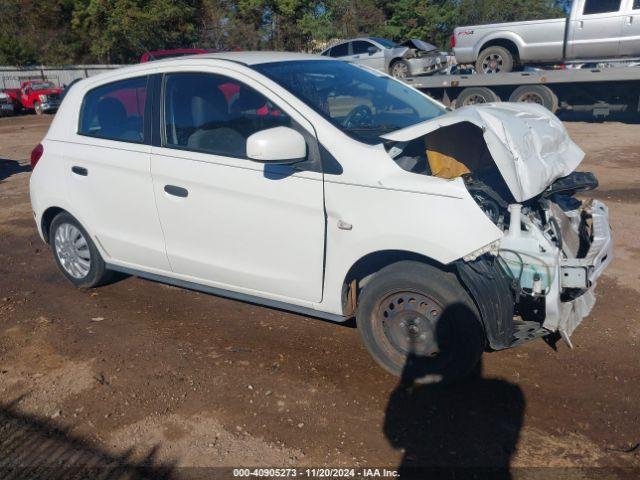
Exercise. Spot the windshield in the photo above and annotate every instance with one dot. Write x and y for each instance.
(42, 86)
(384, 42)
(361, 103)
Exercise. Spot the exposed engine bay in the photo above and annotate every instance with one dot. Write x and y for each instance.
(554, 245)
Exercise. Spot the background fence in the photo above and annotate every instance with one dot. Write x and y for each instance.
(11, 77)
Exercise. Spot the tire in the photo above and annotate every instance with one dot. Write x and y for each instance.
(494, 60)
(540, 94)
(418, 322)
(399, 69)
(38, 108)
(70, 241)
(475, 96)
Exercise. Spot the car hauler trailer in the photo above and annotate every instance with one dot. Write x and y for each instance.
(600, 91)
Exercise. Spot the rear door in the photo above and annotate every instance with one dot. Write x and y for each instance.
(230, 222)
(630, 42)
(363, 52)
(108, 175)
(596, 30)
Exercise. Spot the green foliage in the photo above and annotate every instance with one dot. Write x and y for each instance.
(119, 31)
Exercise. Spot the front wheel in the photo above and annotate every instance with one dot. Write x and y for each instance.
(75, 253)
(400, 69)
(418, 322)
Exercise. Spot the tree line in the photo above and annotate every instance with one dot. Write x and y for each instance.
(61, 32)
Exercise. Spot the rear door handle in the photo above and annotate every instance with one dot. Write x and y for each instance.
(80, 171)
(176, 191)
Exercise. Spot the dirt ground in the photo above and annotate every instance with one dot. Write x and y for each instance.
(155, 379)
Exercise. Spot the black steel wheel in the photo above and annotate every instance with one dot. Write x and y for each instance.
(418, 322)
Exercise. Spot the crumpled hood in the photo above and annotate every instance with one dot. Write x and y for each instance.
(528, 143)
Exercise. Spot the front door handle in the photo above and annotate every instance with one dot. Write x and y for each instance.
(176, 191)
(83, 172)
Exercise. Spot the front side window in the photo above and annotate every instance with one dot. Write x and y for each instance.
(361, 47)
(360, 102)
(592, 7)
(341, 50)
(215, 114)
(115, 111)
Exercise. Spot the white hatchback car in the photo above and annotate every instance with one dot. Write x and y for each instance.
(329, 189)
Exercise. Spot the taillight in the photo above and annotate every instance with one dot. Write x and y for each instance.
(453, 41)
(36, 155)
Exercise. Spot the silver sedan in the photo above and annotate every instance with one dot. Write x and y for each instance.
(409, 59)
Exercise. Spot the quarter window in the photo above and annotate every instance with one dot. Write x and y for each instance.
(592, 7)
(115, 111)
(215, 114)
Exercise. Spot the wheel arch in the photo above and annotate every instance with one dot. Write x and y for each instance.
(47, 217)
(486, 284)
(368, 265)
(509, 43)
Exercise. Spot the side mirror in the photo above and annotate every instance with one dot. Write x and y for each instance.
(373, 50)
(281, 145)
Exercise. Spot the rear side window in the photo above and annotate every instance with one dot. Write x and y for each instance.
(341, 50)
(592, 7)
(636, 4)
(115, 111)
(215, 114)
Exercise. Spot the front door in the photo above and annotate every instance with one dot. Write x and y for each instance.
(596, 30)
(230, 222)
(367, 54)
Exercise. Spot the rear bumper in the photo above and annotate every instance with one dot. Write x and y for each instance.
(465, 55)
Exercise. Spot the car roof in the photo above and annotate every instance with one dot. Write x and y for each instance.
(248, 58)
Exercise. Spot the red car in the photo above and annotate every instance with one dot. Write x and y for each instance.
(38, 95)
(176, 52)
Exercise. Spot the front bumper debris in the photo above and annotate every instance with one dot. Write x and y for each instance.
(583, 273)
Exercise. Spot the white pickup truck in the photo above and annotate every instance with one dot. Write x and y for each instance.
(594, 29)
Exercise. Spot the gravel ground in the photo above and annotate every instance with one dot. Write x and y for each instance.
(149, 379)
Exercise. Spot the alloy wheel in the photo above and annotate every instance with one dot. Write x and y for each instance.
(72, 250)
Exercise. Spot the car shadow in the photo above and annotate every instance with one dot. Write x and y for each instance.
(34, 448)
(11, 167)
(464, 429)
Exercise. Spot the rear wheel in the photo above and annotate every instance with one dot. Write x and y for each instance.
(475, 96)
(75, 253)
(495, 60)
(539, 94)
(418, 322)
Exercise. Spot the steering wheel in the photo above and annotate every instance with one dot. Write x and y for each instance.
(358, 117)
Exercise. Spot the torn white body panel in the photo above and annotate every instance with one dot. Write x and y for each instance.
(529, 144)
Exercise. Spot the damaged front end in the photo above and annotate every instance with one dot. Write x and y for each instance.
(421, 57)
(518, 165)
